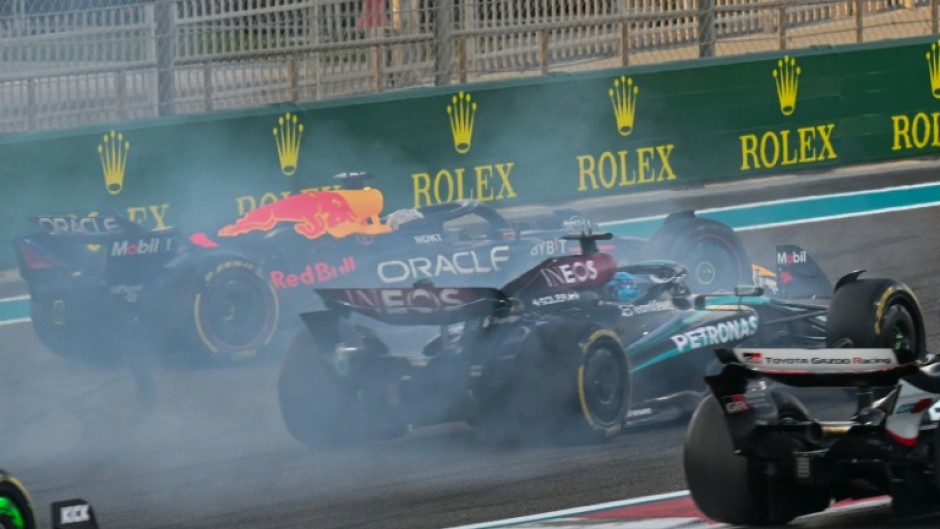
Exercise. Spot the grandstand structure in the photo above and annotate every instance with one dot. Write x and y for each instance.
(70, 63)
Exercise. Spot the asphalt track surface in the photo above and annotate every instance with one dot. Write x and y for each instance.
(210, 450)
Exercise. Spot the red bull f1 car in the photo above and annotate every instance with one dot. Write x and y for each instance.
(575, 347)
(755, 455)
(98, 283)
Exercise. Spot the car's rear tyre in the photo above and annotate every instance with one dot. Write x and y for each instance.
(711, 251)
(16, 508)
(604, 385)
(328, 401)
(223, 311)
(735, 489)
(573, 385)
(876, 313)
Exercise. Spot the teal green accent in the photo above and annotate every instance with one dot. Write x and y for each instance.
(665, 356)
(672, 352)
(9, 509)
(752, 301)
(14, 309)
(651, 339)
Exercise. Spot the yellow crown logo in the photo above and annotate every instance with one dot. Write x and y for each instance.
(623, 96)
(933, 65)
(461, 114)
(113, 154)
(787, 77)
(287, 136)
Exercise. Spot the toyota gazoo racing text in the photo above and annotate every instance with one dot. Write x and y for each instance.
(100, 283)
(573, 347)
(755, 455)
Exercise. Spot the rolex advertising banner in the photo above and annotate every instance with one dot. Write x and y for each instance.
(550, 139)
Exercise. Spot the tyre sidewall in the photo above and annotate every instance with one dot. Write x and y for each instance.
(674, 240)
(719, 481)
(195, 316)
(866, 312)
(550, 396)
(608, 423)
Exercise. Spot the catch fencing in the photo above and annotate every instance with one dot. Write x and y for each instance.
(68, 63)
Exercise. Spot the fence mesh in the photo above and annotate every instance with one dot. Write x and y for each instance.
(66, 63)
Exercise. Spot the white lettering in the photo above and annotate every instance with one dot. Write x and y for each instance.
(74, 514)
(720, 333)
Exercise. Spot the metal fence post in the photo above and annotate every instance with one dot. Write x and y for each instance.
(462, 60)
(543, 51)
(207, 86)
(292, 93)
(859, 22)
(934, 23)
(782, 23)
(31, 104)
(624, 43)
(444, 58)
(706, 28)
(378, 73)
(166, 56)
(120, 88)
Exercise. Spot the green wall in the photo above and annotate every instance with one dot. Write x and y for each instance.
(533, 140)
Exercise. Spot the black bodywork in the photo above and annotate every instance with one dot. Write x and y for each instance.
(550, 350)
(97, 283)
(778, 461)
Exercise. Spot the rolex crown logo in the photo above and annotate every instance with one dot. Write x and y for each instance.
(623, 96)
(787, 78)
(287, 136)
(933, 65)
(113, 154)
(462, 112)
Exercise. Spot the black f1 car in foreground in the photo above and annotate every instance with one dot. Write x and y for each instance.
(574, 347)
(755, 456)
(100, 283)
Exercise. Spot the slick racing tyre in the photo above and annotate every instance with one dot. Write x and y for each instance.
(223, 309)
(736, 489)
(573, 385)
(876, 313)
(603, 384)
(327, 400)
(711, 251)
(16, 508)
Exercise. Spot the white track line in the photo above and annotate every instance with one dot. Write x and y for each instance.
(576, 510)
(12, 322)
(813, 198)
(839, 216)
(15, 298)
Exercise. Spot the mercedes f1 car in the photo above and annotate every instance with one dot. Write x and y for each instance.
(754, 455)
(98, 283)
(574, 347)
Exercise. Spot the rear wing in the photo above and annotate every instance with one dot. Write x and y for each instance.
(110, 244)
(416, 306)
(844, 367)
